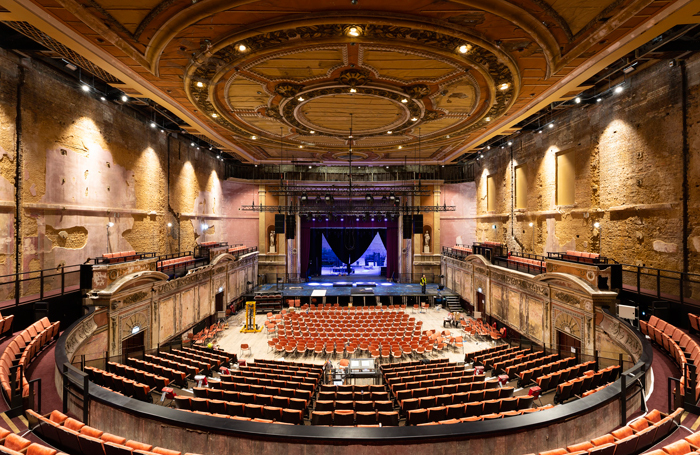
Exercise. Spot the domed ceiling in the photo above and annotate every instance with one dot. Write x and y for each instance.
(309, 80)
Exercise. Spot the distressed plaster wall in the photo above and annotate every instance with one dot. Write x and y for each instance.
(461, 222)
(88, 162)
(628, 152)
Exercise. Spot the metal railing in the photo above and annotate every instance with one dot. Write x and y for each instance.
(660, 283)
(33, 286)
(114, 260)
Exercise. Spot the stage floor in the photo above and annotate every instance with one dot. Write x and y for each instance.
(382, 288)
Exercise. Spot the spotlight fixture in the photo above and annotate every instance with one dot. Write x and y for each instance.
(309, 167)
(218, 157)
(551, 125)
(391, 196)
(103, 98)
(619, 89)
(342, 219)
(389, 132)
(162, 130)
(353, 90)
(577, 100)
(539, 132)
(504, 86)
(85, 87)
(357, 219)
(253, 137)
(242, 47)
(387, 167)
(328, 197)
(464, 48)
(304, 197)
(153, 124)
(312, 132)
(488, 119)
(125, 98)
(400, 147)
(214, 115)
(414, 119)
(510, 143)
(191, 144)
(488, 147)
(301, 146)
(301, 98)
(599, 100)
(200, 84)
(354, 31)
(404, 100)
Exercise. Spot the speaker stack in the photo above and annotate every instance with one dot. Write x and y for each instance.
(279, 224)
(407, 227)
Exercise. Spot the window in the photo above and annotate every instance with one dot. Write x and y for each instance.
(566, 178)
(520, 188)
(490, 193)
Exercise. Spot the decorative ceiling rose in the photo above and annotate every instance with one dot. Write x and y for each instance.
(354, 77)
(432, 115)
(288, 90)
(417, 91)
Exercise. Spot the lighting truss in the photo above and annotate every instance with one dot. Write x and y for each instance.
(351, 191)
(375, 209)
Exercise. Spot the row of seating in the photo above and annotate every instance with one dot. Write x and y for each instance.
(213, 361)
(382, 395)
(632, 438)
(357, 388)
(249, 398)
(500, 415)
(6, 324)
(123, 385)
(264, 379)
(121, 256)
(221, 408)
(206, 244)
(515, 370)
(500, 367)
(448, 377)
(282, 364)
(580, 256)
(400, 366)
(677, 344)
(462, 249)
(448, 397)
(357, 405)
(80, 439)
(175, 365)
(154, 381)
(466, 384)
(528, 263)
(13, 444)
(597, 389)
(301, 372)
(348, 418)
(470, 357)
(182, 261)
(252, 389)
(479, 360)
(237, 248)
(555, 377)
(20, 352)
(590, 381)
(433, 370)
(204, 367)
(528, 376)
(458, 410)
(172, 375)
(694, 322)
(218, 354)
(490, 363)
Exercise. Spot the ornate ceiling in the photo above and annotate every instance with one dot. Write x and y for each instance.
(416, 79)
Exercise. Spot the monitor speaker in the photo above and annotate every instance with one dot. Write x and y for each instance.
(291, 227)
(279, 224)
(407, 225)
(417, 224)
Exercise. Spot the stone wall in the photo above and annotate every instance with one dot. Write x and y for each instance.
(87, 162)
(629, 174)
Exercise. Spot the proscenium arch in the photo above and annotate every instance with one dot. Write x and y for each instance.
(203, 9)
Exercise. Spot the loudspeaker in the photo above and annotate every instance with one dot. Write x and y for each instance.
(407, 225)
(279, 224)
(417, 224)
(291, 227)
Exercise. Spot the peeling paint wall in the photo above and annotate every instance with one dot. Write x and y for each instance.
(88, 163)
(628, 153)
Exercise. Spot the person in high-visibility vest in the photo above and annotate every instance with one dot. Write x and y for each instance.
(423, 282)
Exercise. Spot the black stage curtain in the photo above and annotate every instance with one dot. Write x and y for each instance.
(350, 244)
(315, 248)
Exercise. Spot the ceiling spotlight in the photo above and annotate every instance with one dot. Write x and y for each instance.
(162, 130)
(200, 84)
(619, 89)
(103, 98)
(328, 197)
(387, 167)
(85, 87)
(368, 197)
(488, 119)
(301, 98)
(218, 157)
(404, 100)
(353, 90)
(389, 132)
(312, 132)
(214, 115)
(400, 147)
(253, 137)
(551, 125)
(391, 195)
(464, 48)
(301, 146)
(304, 196)
(599, 100)
(488, 147)
(447, 137)
(504, 86)
(577, 100)
(357, 219)
(153, 124)
(539, 132)
(414, 119)
(503, 146)
(125, 98)
(354, 31)
(350, 137)
(510, 143)
(372, 219)
(191, 144)
(242, 47)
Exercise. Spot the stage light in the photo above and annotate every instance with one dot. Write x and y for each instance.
(385, 219)
(125, 98)
(577, 100)
(404, 100)
(357, 219)
(304, 197)
(309, 167)
(254, 137)
(539, 132)
(342, 219)
(242, 47)
(191, 144)
(354, 31)
(103, 98)
(214, 115)
(353, 90)
(328, 197)
(510, 143)
(313, 219)
(85, 87)
(488, 119)
(389, 132)
(372, 219)
(301, 98)
(400, 147)
(387, 167)
(619, 89)
(312, 132)
(551, 125)
(218, 157)
(200, 84)
(598, 100)
(488, 147)
(391, 196)
(504, 86)
(464, 48)
(153, 124)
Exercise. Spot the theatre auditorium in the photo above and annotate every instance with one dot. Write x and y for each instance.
(349, 226)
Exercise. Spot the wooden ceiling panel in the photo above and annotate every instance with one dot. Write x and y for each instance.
(300, 65)
(406, 67)
(245, 94)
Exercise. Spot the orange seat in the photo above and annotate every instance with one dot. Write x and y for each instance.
(678, 448)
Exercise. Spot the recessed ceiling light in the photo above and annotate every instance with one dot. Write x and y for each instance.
(619, 89)
(400, 147)
(125, 98)
(464, 48)
(153, 124)
(242, 47)
(214, 115)
(353, 90)
(488, 147)
(354, 31)
(191, 144)
(577, 100)
(301, 146)
(200, 84)
(488, 119)
(414, 119)
(301, 98)
(103, 98)
(539, 132)
(404, 100)
(504, 86)
(510, 143)
(253, 137)
(551, 125)
(312, 132)
(389, 132)
(598, 100)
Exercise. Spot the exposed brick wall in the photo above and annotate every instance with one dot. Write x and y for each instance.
(629, 174)
(89, 162)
